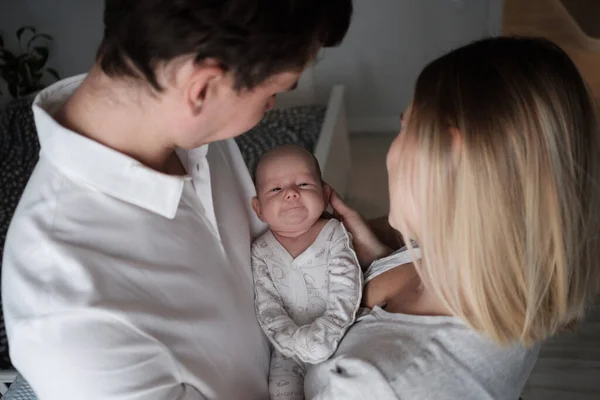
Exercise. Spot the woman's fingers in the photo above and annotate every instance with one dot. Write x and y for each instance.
(366, 245)
(338, 205)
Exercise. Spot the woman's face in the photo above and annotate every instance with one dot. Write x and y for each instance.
(402, 181)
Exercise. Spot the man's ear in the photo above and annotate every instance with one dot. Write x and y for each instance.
(256, 208)
(201, 84)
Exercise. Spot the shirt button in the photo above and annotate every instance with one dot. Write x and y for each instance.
(197, 167)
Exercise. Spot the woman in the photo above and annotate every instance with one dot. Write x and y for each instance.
(495, 174)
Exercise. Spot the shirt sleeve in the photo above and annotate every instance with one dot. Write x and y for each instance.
(316, 342)
(91, 355)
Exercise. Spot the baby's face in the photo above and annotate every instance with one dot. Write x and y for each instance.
(290, 194)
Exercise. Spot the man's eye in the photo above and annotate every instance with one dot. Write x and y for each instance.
(277, 189)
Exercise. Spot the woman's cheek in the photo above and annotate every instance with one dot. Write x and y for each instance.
(403, 207)
(393, 183)
(396, 218)
(391, 160)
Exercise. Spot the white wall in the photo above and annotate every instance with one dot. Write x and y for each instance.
(76, 26)
(388, 44)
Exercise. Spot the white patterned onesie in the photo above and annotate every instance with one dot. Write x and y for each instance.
(304, 304)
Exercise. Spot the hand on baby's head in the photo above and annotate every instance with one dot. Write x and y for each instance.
(290, 194)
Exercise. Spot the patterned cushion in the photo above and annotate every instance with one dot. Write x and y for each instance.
(19, 390)
(19, 149)
(296, 125)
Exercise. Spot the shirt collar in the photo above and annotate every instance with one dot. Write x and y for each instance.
(98, 166)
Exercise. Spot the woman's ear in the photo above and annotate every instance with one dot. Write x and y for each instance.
(256, 208)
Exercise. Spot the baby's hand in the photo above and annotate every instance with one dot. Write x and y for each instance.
(311, 346)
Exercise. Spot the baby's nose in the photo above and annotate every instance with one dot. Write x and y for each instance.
(292, 194)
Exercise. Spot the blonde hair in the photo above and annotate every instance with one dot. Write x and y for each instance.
(505, 144)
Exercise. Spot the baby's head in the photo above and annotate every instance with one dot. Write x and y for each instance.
(496, 174)
(290, 193)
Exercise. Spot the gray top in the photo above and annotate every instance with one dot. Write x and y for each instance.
(400, 356)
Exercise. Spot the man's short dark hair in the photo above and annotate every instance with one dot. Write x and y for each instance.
(252, 39)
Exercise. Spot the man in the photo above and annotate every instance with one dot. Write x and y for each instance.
(127, 265)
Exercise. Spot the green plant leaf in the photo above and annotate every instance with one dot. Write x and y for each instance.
(37, 37)
(24, 29)
(25, 75)
(20, 33)
(7, 57)
(38, 58)
(53, 72)
(24, 72)
(8, 73)
(12, 89)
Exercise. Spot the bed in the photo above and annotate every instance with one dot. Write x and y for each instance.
(297, 119)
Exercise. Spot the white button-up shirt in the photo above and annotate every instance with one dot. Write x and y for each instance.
(120, 282)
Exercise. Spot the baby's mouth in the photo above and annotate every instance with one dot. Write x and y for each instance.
(292, 208)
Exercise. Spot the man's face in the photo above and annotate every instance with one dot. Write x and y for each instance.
(205, 107)
(233, 112)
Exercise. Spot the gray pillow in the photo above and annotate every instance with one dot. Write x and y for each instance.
(295, 125)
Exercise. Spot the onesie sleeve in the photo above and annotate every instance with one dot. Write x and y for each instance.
(318, 341)
(270, 311)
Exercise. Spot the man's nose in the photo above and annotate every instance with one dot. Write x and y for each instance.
(292, 194)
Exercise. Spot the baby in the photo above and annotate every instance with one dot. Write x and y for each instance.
(308, 282)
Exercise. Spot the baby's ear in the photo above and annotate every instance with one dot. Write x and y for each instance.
(256, 208)
(326, 193)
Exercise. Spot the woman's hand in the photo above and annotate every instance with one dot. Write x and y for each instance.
(367, 246)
